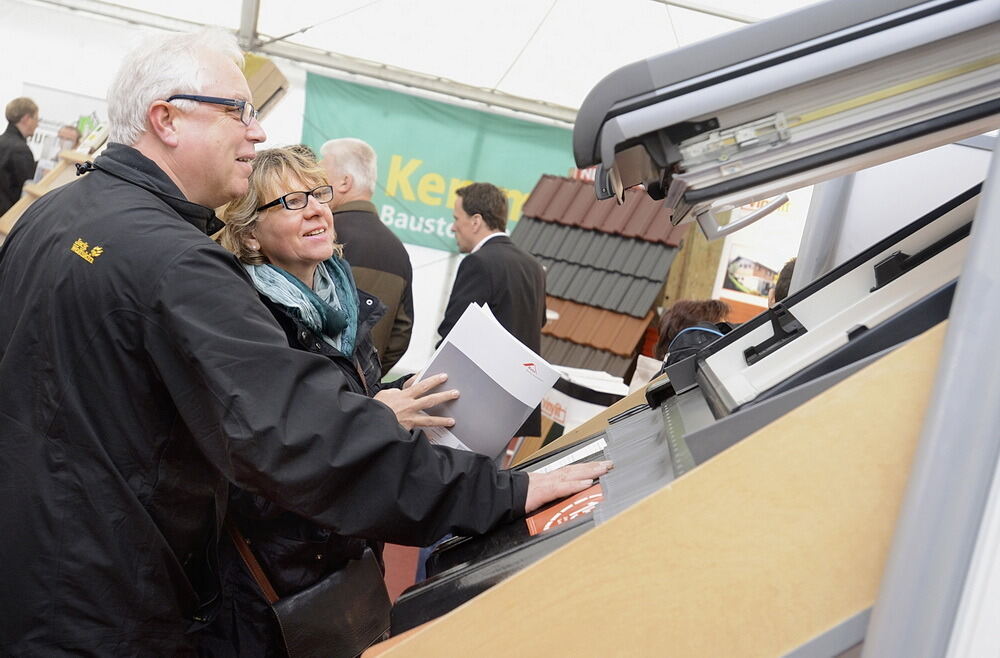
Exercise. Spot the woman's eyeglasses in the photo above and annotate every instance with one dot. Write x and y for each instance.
(298, 200)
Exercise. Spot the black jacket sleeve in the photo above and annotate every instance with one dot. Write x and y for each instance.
(282, 423)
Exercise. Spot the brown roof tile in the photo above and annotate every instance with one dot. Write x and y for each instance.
(539, 199)
(596, 327)
(572, 203)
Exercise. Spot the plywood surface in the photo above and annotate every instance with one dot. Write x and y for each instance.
(751, 554)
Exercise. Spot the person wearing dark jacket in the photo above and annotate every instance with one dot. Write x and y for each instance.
(497, 273)
(687, 327)
(140, 375)
(17, 164)
(282, 231)
(378, 258)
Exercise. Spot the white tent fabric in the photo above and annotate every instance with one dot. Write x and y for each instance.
(552, 51)
(64, 54)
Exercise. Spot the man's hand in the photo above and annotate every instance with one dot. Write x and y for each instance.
(409, 402)
(562, 482)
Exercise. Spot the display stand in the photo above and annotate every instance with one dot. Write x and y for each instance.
(596, 424)
(755, 553)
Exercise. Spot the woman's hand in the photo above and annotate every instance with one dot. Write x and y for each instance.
(409, 402)
(546, 487)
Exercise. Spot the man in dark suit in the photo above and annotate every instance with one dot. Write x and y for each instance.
(378, 258)
(497, 273)
(17, 164)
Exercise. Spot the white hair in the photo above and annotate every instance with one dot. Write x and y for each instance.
(353, 157)
(158, 69)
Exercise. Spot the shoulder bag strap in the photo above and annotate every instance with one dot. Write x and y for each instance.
(248, 559)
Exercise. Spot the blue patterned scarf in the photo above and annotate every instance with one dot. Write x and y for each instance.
(330, 307)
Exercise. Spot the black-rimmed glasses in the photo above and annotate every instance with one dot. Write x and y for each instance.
(247, 111)
(298, 200)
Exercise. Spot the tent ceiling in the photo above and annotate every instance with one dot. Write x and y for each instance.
(537, 57)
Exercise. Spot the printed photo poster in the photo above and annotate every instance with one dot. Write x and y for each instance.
(752, 257)
(428, 149)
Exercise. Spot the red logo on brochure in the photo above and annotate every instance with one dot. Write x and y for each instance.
(568, 509)
(531, 368)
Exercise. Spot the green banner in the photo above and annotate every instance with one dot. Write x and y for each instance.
(428, 149)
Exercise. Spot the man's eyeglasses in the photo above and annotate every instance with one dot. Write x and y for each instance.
(247, 111)
(298, 200)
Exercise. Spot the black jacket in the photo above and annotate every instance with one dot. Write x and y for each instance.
(382, 267)
(139, 373)
(294, 552)
(512, 282)
(361, 369)
(17, 164)
(690, 340)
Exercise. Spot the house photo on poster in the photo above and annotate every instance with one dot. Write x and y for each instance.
(753, 257)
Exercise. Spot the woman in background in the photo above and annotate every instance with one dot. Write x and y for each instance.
(688, 326)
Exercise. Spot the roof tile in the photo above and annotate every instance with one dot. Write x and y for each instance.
(539, 199)
(594, 268)
(598, 328)
(565, 353)
(572, 203)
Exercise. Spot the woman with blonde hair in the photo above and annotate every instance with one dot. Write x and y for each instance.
(282, 231)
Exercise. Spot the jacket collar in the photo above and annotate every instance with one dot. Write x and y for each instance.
(131, 166)
(498, 237)
(360, 204)
(12, 130)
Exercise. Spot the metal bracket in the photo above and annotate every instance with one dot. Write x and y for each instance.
(786, 328)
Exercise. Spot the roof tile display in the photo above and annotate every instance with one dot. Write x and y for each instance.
(572, 203)
(595, 327)
(608, 271)
(605, 267)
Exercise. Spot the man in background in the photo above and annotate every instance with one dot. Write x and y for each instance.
(17, 164)
(69, 138)
(496, 273)
(782, 284)
(378, 259)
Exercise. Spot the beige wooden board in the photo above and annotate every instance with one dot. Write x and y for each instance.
(266, 81)
(751, 554)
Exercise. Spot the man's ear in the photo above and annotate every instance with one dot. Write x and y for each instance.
(163, 121)
(343, 183)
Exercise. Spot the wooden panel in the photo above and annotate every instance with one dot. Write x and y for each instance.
(752, 554)
(267, 83)
(740, 312)
(692, 274)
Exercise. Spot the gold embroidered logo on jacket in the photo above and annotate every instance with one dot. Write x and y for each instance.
(80, 248)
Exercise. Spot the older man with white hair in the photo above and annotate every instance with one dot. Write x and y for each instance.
(140, 374)
(378, 258)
